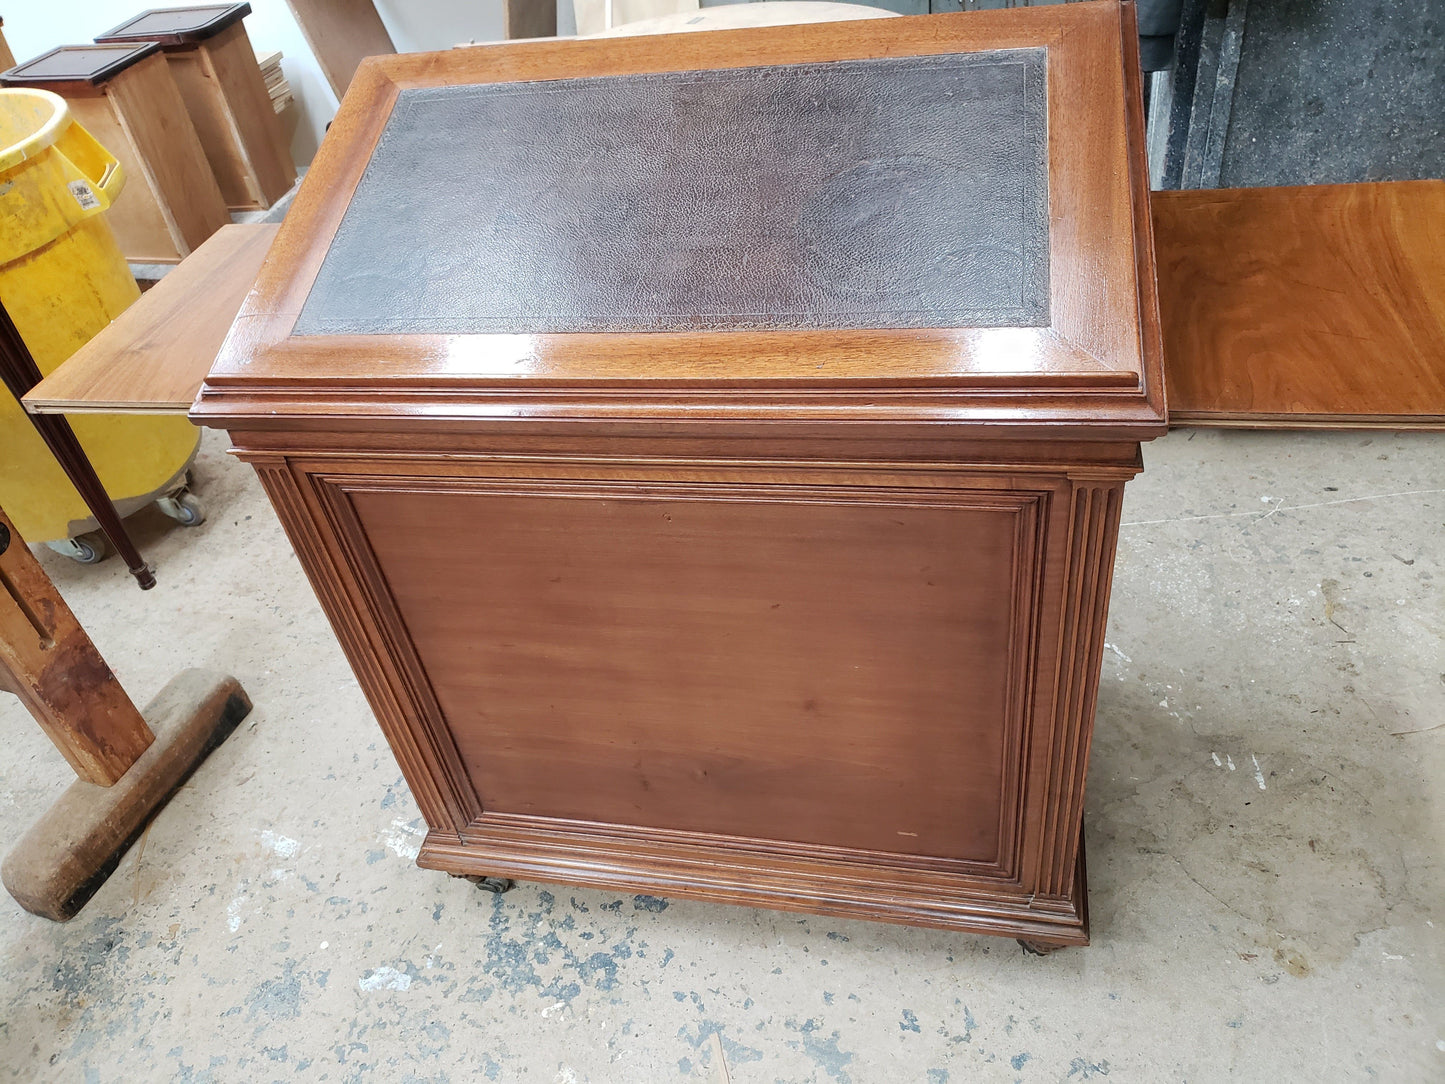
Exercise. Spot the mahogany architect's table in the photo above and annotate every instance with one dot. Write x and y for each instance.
(709, 448)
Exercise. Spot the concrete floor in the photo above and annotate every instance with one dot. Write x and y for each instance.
(1264, 830)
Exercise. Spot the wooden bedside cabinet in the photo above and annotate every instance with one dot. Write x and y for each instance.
(212, 62)
(709, 448)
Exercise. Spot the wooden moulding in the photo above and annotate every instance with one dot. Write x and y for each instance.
(1097, 366)
(1024, 875)
(804, 619)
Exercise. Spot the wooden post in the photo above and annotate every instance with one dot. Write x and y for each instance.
(341, 34)
(47, 660)
(128, 764)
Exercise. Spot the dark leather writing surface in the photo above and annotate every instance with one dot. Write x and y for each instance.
(907, 192)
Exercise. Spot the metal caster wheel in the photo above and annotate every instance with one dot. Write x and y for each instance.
(495, 885)
(184, 507)
(88, 549)
(1037, 948)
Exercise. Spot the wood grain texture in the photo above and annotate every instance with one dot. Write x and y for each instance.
(230, 108)
(809, 620)
(153, 357)
(341, 33)
(601, 682)
(171, 202)
(47, 660)
(150, 110)
(65, 856)
(529, 18)
(1304, 306)
(621, 704)
(1097, 365)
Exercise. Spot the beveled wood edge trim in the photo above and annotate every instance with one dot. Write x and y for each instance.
(384, 617)
(743, 849)
(844, 890)
(1205, 419)
(307, 360)
(1028, 569)
(1098, 325)
(1151, 323)
(771, 491)
(1093, 525)
(315, 213)
(907, 450)
(1000, 418)
(301, 512)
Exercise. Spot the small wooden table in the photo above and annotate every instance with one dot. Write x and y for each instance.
(210, 57)
(125, 97)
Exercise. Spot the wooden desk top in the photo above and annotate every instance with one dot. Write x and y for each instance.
(1304, 306)
(152, 358)
(481, 297)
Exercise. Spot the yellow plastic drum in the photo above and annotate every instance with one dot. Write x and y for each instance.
(62, 279)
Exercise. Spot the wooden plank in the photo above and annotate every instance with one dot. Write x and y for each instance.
(529, 18)
(1304, 307)
(341, 33)
(153, 357)
(47, 660)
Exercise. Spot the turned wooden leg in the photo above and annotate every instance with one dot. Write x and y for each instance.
(19, 373)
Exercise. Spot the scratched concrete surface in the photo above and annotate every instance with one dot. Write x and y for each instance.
(1264, 831)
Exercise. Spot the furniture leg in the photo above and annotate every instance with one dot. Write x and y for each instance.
(19, 373)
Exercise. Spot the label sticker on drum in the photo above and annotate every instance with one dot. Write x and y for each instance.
(84, 195)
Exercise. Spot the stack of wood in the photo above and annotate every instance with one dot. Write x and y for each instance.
(276, 83)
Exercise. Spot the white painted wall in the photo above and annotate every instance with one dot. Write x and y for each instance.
(36, 26)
